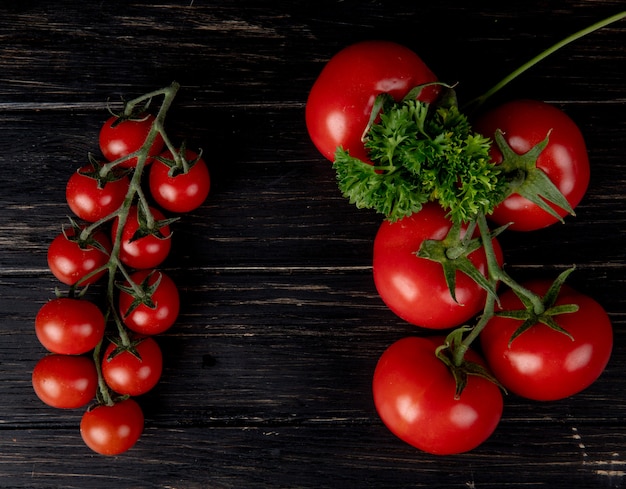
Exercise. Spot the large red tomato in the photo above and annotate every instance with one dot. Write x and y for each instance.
(544, 364)
(340, 103)
(415, 288)
(526, 123)
(414, 394)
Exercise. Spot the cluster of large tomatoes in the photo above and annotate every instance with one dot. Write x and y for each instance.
(103, 353)
(542, 340)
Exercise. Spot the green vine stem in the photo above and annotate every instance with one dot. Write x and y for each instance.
(114, 265)
(480, 100)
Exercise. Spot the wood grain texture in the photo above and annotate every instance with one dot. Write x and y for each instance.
(268, 371)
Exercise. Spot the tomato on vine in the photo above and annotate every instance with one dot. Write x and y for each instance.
(120, 137)
(71, 259)
(92, 197)
(524, 124)
(341, 100)
(179, 188)
(143, 245)
(112, 430)
(133, 370)
(416, 287)
(69, 326)
(415, 395)
(152, 310)
(65, 381)
(547, 361)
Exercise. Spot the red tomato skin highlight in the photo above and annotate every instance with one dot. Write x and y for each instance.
(341, 100)
(543, 364)
(414, 396)
(414, 288)
(525, 123)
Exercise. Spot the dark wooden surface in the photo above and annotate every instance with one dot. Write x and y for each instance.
(267, 372)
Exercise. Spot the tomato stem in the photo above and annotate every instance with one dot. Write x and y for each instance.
(104, 395)
(480, 100)
(495, 274)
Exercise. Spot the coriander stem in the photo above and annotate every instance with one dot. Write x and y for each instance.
(478, 101)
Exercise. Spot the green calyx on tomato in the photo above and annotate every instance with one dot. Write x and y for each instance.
(141, 292)
(449, 354)
(525, 178)
(545, 315)
(452, 253)
(147, 225)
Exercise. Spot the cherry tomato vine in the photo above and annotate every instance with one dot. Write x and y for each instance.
(103, 353)
(440, 173)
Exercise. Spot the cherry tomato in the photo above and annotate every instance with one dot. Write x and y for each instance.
(65, 381)
(70, 263)
(544, 364)
(414, 395)
(158, 312)
(88, 201)
(127, 374)
(526, 123)
(69, 326)
(145, 252)
(340, 103)
(414, 288)
(118, 139)
(182, 192)
(111, 430)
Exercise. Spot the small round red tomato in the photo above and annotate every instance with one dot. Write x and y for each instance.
(414, 395)
(65, 381)
(111, 430)
(69, 326)
(526, 123)
(89, 201)
(414, 288)
(155, 313)
(148, 251)
(70, 260)
(121, 138)
(182, 192)
(340, 103)
(128, 374)
(544, 364)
